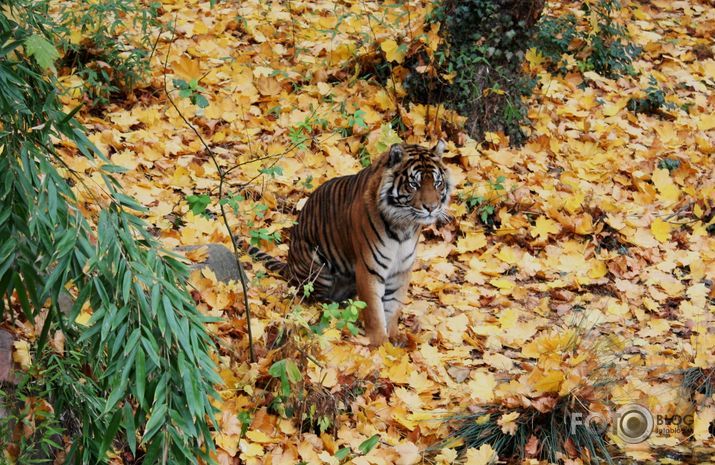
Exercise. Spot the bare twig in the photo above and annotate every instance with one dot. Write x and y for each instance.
(222, 178)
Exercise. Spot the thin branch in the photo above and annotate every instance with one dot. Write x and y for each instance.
(222, 178)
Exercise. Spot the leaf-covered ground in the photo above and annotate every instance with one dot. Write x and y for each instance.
(595, 266)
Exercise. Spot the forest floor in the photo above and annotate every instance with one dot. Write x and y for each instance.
(591, 279)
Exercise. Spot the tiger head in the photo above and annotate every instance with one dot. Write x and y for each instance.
(415, 186)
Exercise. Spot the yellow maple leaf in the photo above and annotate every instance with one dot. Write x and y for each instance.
(534, 58)
(503, 284)
(492, 138)
(409, 453)
(21, 355)
(543, 227)
(481, 387)
(554, 342)
(598, 269)
(471, 241)
(642, 238)
(200, 28)
(485, 455)
(665, 185)
(547, 381)
(706, 122)
(508, 423)
(227, 442)
(268, 86)
(661, 230)
(250, 449)
(507, 255)
(397, 364)
(612, 109)
(446, 456)
(260, 437)
(186, 68)
(393, 51)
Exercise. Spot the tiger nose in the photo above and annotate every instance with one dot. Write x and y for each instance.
(430, 208)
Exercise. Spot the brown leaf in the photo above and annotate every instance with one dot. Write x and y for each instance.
(532, 446)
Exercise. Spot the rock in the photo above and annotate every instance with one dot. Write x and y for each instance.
(219, 259)
(6, 345)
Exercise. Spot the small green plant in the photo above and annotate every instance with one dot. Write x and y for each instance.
(308, 289)
(344, 318)
(234, 201)
(485, 206)
(305, 130)
(346, 454)
(364, 157)
(198, 204)
(298, 137)
(308, 182)
(244, 417)
(193, 91)
(262, 234)
(670, 164)
(353, 119)
(653, 102)
(271, 171)
(287, 372)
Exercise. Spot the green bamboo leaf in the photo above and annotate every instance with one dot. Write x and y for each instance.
(156, 421)
(126, 285)
(130, 428)
(42, 50)
(110, 433)
(109, 168)
(140, 376)
(52, 200)
(132, 342)
(117, 394)
(369, 444)
(152, 348)
(155, 298)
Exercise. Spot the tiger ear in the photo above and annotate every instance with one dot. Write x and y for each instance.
(438, 149)
(396, 153)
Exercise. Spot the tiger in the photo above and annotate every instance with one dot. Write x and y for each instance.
(358, 234)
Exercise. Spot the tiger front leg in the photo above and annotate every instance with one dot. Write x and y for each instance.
(393, 299)
(370, 289)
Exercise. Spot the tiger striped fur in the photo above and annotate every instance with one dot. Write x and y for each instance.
(358, 234)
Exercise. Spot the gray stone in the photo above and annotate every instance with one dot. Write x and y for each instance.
(6, 346)
(219, 259)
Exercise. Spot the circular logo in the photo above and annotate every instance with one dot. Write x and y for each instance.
(635, 423)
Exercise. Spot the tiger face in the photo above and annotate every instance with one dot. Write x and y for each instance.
(416, 185)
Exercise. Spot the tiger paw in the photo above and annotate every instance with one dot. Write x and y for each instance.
(377, 336)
